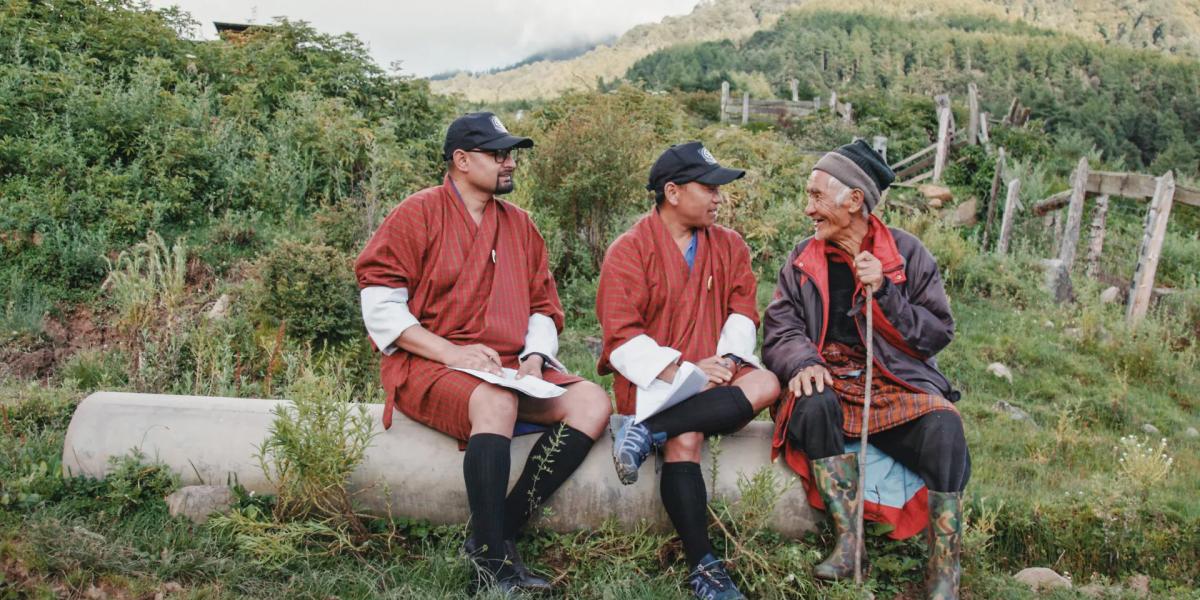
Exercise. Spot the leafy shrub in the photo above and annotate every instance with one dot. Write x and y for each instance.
(133, 484)
(313, 447)
(23, 306)
(93, 369)
(108, 118)
(147, 283)
(311, 288)
(588, 175)
(767, 205)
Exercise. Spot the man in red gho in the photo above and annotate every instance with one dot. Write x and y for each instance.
(677, 287)
(813, 341)
(456, 277)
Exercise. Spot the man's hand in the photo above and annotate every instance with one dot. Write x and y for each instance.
(532, 365)
(718, 369)
(473, 356)
(814, 377)
(870, 271)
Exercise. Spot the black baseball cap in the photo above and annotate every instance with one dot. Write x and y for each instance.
(482, 130)
(685, 163)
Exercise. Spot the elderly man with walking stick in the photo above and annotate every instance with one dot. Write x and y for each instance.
(858, 316)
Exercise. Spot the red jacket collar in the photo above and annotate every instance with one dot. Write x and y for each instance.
(879, 242)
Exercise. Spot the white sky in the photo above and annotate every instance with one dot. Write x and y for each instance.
(432, 36)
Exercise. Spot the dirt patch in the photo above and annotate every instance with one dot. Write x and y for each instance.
(62, 336)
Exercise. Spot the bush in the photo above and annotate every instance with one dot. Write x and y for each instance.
(588, 175)
(767, 205)
(311, 288)
(313, 447)
(147, 283)
(23, 306)
(94, 368)
(108, 118)
(134, 484)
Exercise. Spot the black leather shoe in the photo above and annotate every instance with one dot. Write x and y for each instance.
(523, 580)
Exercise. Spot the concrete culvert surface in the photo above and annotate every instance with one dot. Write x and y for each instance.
(410, 470)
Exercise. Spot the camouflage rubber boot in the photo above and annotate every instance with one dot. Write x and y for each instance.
(836, 478)
(945, 545)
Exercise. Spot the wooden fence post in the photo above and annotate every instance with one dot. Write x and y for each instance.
(991, 208)
(973, 122)
(1152, 242)
(745, 107)
(1012, 112)
(795, 85)
(848, 117)
(984, 137)
(1066, 252)
(1096, 236)
(816, 104)
(1006, 221)
(724, 101)
(833, 102)
(943, 139)
(879, 144)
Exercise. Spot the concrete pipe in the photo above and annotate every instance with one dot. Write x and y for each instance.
(409, 471)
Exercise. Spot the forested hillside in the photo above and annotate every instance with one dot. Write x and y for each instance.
(1168, 26)
(1137, 107)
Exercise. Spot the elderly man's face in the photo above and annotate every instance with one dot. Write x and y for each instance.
(829, 220)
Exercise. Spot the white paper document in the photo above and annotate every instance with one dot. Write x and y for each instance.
(689, 381)
(529, 385)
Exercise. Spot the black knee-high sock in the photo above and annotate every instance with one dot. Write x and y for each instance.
(553, 458)
(714, 411)
(485, 469)
(686, 501)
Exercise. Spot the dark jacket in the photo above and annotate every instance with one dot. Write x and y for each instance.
(912, 319)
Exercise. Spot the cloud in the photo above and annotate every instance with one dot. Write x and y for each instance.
(432, 37)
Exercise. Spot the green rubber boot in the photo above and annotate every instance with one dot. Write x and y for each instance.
(945, 545)
(836, 478)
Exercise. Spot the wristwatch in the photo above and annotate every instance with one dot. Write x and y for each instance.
(737, 362)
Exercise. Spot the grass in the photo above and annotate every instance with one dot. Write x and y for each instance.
(1047, 491)
(1044, 492)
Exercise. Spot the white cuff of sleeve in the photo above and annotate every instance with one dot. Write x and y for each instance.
(739, 338)
(640, 360)
(542, 337)
(386, 315)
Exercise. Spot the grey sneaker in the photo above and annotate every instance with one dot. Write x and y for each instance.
(710, 581)
(632, 444)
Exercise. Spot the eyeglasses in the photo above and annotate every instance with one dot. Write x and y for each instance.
(501, 155)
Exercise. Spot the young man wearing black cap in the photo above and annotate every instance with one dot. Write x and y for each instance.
(813, 341)
(457, 278)
(676, 296)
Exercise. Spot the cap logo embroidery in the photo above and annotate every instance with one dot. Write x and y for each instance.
(498, 125)
(707, 156)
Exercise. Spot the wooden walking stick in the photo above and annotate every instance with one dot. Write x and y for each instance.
(862, 451)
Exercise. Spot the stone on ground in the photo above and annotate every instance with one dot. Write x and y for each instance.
(197, 502)
(1041, 578)
(935, 193)
(1001, 371)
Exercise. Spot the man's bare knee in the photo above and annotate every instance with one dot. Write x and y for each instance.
(684, 447)
(492, 410)
(761, 388)
(588, 409)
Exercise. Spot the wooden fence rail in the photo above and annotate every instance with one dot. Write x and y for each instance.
(1128, 185)
(1162, 192)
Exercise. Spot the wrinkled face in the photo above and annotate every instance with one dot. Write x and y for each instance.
(830, 221)
(490, 171)
(696, 203)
